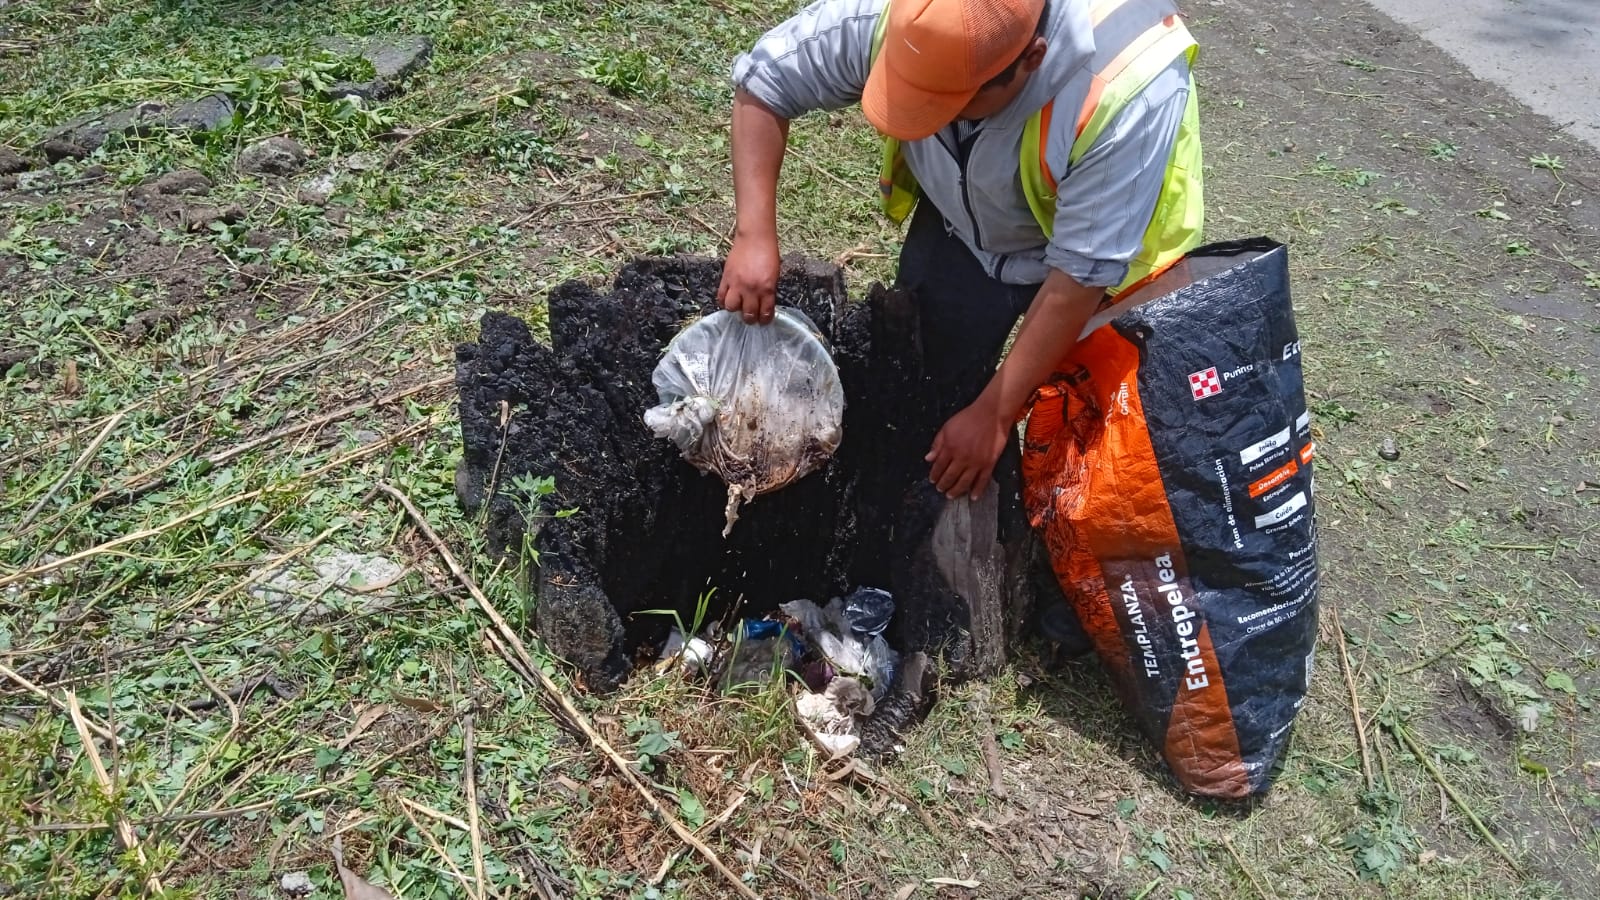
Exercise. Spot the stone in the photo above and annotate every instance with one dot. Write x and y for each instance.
(90, 132)
(79, 137)
(394, 58)
(317, 191)
(260, 240)
(35, 180)
(257, 272)
(363, 161)
(15, 357)
(267, 62)
(200, 116)
(201, 218)
(11, 162)
(152, 323)
(60, 149)
(181, 181)
(338, 579)
(273, 156)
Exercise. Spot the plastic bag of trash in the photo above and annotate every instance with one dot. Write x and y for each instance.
(850, 645)
(761, 406)
(831, 715)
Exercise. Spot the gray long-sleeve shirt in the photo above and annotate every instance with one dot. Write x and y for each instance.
(819, 59)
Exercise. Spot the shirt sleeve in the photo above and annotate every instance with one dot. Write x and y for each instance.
(1105, 202)
(818, 59)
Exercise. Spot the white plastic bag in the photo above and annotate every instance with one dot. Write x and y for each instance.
(759, 405)
(867, 657)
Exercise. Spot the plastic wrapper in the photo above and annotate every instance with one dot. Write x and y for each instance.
(845, 651)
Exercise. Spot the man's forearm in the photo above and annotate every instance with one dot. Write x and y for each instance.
(759, 136)
(1049, 331)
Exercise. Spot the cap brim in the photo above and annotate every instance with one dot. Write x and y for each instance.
(902, 111)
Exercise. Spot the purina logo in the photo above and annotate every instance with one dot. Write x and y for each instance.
(1205, 384)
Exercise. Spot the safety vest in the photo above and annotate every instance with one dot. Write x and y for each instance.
(1120, 73)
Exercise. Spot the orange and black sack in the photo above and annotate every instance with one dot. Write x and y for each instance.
(1168, 469)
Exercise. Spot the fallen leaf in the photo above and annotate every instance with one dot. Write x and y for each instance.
(1455, 482)
(355, 887)
(968, 883)
(365, 720)
(752, 856)
(420, 704)
(905, 891)
(1560, 681)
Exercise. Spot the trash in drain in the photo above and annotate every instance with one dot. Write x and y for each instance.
(568, 413)
(835, 655)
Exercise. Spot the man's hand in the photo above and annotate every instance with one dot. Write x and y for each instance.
(966, 448)
(750, 278)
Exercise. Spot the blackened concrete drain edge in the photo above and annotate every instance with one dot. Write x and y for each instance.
(647, 534)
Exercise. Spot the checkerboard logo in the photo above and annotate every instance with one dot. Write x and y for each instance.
(1205, 384)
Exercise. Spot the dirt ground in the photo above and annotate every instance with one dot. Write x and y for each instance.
(259, 358)
(1446, 282)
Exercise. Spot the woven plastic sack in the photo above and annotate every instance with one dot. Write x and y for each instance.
(1168, 468)
(759, 405)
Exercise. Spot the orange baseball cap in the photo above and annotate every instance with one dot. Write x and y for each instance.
(936, 54)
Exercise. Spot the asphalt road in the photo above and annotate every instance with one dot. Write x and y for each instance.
(1546, 53)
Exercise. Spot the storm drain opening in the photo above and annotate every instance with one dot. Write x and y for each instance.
(559, 460)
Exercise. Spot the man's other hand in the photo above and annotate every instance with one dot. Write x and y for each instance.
(966, 448)
(750, 279)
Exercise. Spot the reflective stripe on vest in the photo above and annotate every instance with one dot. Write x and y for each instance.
(1179, 213)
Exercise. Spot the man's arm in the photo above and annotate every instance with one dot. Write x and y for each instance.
(1105, 205)
(750, 275)
(817, 59)
(966, 449)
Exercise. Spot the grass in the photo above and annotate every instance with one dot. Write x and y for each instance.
(191, 413)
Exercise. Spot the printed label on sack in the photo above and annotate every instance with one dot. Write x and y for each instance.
(1205, 383)
(1138, 628)
(1278, 478)
(1282, 513)
(1270, 445)
(1195, 676)
(1170, 602)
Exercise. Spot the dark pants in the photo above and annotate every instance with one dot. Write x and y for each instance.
(965, 315)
